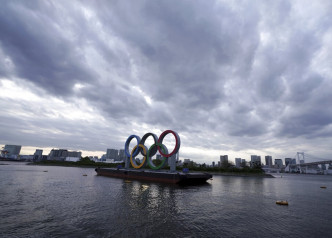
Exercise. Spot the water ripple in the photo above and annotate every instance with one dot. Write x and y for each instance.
(63, 203)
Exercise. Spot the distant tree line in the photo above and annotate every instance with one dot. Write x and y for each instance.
(225, 167)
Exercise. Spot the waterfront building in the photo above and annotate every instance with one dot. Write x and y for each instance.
(12, 151)
(268, 161)
(26, 157)
(186, 161)
(213, 164)
(330, 166)
(103, 157)
(112, 154)
(62, 154)
(94, 158)
(72, 159)
(76, 154)
(238, 162)
(223, 160)
(111, 161)
(122, 155)
(38, 155)
(57, 154)
(278, 163)
(255, 161)
(288, 161)
(323, 167)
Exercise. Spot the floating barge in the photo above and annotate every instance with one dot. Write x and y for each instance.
(156, 176)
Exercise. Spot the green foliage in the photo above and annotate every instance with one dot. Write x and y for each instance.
(84, 162)
(256, 165)
(229, 169)
(156, 162)
(225, 165)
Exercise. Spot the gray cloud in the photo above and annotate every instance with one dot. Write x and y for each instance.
(251, 74)
(39, 47)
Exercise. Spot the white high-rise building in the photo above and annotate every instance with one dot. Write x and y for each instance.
(238, 162)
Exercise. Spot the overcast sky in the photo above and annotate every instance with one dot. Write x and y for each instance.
(231, 77)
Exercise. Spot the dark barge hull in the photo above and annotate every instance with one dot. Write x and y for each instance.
(155, 176)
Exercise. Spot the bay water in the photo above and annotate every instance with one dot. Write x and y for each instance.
(52, 201)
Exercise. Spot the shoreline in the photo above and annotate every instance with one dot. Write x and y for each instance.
(236, 174)
(66, 165)
(243, 175)
(214, 173)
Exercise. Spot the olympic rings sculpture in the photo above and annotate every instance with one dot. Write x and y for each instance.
(149, 153)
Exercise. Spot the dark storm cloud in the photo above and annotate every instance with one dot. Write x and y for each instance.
(237, 71)
(189, 52)
(33, 37)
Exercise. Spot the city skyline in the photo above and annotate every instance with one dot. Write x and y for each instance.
(237, 79)
(118, 154)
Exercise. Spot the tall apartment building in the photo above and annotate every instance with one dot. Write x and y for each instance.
(112, 154)
(278, 163)
(288, 161)
(223, 160)
(255, 161)
(238, 162)
(38, 155)
(268, 161)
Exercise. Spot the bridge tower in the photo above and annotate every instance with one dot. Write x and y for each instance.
(300, 157)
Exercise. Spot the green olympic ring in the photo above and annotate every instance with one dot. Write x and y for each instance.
(164, 159)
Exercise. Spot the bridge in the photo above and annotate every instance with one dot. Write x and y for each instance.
(316, 163)
(302, 164)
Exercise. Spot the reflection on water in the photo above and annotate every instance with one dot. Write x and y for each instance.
(63, 202)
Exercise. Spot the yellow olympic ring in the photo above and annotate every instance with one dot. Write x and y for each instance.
(133, 163)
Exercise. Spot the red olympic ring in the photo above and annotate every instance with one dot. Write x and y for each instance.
(177, 142)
